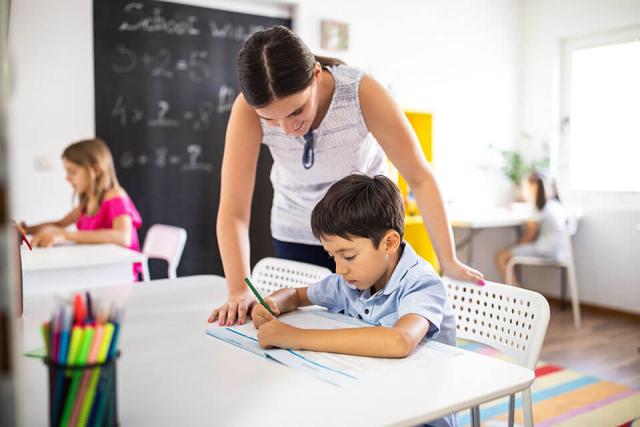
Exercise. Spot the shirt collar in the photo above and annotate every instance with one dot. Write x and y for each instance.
(408, 259)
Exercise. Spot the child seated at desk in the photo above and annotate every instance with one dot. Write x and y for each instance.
(104, 214)
(544, 235)
(380, 279)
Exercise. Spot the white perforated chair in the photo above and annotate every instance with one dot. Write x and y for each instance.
(510, 319)
(566, 264)
(165, 242)
(271, 274)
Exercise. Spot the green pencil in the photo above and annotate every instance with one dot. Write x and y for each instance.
(257, 294)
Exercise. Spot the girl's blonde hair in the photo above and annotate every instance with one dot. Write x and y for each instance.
(95, 157)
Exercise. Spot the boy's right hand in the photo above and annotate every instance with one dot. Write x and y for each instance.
(260, 315)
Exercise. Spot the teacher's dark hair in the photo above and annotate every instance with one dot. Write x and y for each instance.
(275, 63)
(359, 206)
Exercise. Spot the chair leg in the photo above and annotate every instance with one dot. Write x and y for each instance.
(512, 409)
(527, 408)
(573, 289)
(563, 288)
(510, 274)
(475, 416)
(145, 271)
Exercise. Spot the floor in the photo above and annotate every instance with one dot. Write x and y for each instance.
(607, 345)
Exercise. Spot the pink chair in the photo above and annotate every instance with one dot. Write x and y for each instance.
(165, 242)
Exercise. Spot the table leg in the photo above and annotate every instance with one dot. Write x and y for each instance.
(467, 241)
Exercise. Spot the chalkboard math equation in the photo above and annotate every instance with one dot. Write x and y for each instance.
(161, 64)
(199, 118)
(160, 157)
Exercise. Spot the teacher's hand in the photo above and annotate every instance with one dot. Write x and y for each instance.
(234, 309)
(457, 270)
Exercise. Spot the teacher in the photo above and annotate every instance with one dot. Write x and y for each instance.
(322, 120)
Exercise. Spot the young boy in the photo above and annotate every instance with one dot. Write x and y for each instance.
(380, 279)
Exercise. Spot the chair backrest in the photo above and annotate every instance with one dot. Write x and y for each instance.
(165, 242)
(572, 220)
(510, 319)
(271, 274)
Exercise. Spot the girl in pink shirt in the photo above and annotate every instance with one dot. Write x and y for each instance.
(104, 213)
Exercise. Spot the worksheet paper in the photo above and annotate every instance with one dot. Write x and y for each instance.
(338, 369)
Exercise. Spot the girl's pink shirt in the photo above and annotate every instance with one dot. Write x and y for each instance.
(103, 219)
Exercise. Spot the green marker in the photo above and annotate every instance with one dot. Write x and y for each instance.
(255, 292)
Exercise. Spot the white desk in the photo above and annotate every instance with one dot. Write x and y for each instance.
(476, 220)
(171, 373)
(67, 268)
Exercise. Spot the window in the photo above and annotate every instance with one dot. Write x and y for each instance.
(602, 114)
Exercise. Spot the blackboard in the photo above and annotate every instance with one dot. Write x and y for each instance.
(165, 80)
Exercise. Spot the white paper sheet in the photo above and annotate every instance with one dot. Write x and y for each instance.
(338, 369)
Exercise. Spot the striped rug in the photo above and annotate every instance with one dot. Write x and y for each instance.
(563, 397)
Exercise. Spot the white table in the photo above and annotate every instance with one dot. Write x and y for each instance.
(66, 268)
(476, 220)
(171, 373)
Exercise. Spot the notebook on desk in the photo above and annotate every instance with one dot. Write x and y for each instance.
(337, 369)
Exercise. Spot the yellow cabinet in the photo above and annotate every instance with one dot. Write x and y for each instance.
(414, 230)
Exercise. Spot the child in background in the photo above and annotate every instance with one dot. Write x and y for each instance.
(104, 214)
(544, 235)
(379, 279)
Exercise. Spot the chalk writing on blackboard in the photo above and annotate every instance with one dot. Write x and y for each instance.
(161, 158)
(200, 116)
(125, 114)
(226, 96)
(136, 20)
(161, 63)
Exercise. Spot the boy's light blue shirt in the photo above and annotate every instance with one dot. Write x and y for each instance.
(414, 287)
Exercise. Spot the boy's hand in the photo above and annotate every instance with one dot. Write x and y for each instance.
(260, 315)
(277, 334)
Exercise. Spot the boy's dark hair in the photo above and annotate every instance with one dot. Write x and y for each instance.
(359, 206)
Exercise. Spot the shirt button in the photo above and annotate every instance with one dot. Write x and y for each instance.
(366, 311)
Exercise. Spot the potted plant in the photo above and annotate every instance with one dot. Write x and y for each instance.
(516, 168)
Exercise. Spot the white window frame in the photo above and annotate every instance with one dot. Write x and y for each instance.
(568, 47)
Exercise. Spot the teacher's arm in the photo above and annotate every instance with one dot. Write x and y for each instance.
(388, 124)
(241, 151)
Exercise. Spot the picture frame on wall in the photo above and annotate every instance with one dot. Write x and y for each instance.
(334, 35)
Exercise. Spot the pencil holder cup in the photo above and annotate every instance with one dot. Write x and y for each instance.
(83, 395)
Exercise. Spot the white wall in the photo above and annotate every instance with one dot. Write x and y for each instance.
(52, 103)
(607, 246)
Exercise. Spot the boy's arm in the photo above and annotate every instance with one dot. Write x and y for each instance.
(289, 299)
(397, 341)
